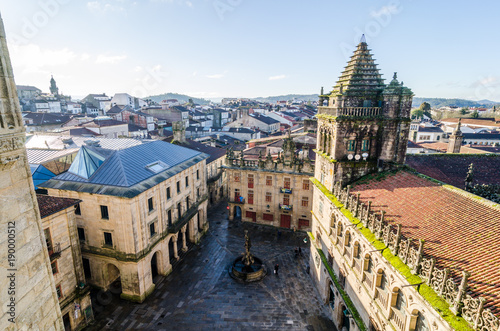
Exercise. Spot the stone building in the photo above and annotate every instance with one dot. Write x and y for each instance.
(140, 207)
(372, 216)
(28, 296)
(63, 246)
(271, 190)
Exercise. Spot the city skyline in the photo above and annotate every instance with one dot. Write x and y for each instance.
(237, 48)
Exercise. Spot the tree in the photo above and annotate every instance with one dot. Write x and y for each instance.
(417, 113)
(463, 111)
(475, 114)
(425, 106)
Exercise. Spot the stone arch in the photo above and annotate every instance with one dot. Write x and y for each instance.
(156, 265)
(339, 229)
(113, 278)
(172, 248)
(418, 321)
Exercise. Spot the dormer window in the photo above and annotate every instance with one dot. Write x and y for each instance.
(365, 146)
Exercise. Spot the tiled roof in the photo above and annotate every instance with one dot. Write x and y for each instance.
(474, 121)
(460, 231)
(64, 142)
(490, 136)
(452, 168)
(49, 205)
(38, 156)
(214, 152)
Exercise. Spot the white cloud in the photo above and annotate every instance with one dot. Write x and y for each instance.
(385, 11)
(102, 7)
(84, 57)
(215, 76)
(109, 59)
(34, 59)
(277, 77)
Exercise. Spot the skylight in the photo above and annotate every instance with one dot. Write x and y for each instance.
(156, 167)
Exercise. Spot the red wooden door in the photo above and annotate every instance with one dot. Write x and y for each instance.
(252, 215)
(286, 220)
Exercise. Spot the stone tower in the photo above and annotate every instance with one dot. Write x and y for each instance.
(456, 139)
(53, 87)
(363, 124)
(28, 294)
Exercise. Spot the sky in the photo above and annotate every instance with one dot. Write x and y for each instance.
(251, 48)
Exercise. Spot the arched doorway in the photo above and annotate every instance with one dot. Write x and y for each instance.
(154, 268)
(237, 213)
(331, 296)
(171, 250)
(114, 279)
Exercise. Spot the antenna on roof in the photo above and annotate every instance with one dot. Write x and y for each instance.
(363, 39)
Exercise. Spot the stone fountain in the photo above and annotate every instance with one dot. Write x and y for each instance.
(247, 268)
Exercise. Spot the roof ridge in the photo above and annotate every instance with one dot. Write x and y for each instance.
(469, 195)
(120, 163)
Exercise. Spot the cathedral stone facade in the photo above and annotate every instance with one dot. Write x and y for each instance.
(28, 293)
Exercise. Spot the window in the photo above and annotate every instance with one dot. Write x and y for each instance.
(365, 146)
(169, 217)
(55, 270)
(250, 197)
(168, 193)
(267, 217)
(421, 324)
(198, 193)
(187, 181)
(150, 204)
(250, 181)
(237, 177)
(108, 239)
(400, 301)
(179, 211)
(86, 268)
(303, 223)
(286, 183)
(78, 210)
(59, 292)
(382, 280)
(351, 145)
(104, 212)
(81, 234)
(286, 199)
(178, 187)
(269, 197)
(305, 184)
(48, 241)
(320, 207)
(236, 195)
(269, 180)
(152, 230)
(197, 174)
(187, 202)
(305, 201)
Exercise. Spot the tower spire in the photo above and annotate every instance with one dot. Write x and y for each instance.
(363, 39)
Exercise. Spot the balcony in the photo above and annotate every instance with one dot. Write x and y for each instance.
(188, 215)
(238, 200)
(397, 319)
(286, 207)
(350, 111)
(369, 280)
(54, 251)
(286, 190)
(381, 297)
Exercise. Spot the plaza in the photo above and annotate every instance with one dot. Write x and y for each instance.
(200, 295)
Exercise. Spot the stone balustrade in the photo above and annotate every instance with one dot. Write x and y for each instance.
(350, 111)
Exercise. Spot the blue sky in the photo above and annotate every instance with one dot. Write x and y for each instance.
(250, 48)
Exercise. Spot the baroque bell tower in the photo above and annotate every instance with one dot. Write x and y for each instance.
(28, 293)
(363, 124)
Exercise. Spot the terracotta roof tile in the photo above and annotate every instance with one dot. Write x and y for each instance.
(49, 205)
(460, 231)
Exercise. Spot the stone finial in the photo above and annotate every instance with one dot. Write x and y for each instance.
(395, 75)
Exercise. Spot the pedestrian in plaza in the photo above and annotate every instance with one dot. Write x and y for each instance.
(276, 267)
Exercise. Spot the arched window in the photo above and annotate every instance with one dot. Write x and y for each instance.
(400, 301)
(382, 280)
(355, 252)
(339, 229)
(347, 239)
(381, 290)
(421, 324)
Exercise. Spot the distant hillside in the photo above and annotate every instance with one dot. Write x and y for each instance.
(181, 97)
(442, 102)
(273, 99)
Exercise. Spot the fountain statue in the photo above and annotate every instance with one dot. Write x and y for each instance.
(247, 268)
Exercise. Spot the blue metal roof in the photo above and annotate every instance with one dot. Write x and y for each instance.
(127, 167)
(40, 174)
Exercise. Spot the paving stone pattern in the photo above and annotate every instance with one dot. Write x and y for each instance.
(200, 295)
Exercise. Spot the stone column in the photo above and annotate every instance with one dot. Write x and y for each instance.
(176, 254)
(35, 304)
(184, 246)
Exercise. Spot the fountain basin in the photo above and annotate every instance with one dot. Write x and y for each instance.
(252, 273)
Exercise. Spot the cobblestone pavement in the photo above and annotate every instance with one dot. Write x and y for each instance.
(200, 295)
